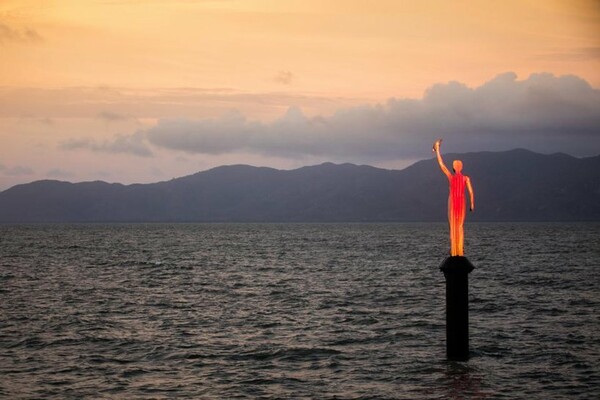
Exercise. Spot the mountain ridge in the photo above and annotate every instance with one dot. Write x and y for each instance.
(514, 185)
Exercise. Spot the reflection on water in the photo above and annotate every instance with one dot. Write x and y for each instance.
(464, 382)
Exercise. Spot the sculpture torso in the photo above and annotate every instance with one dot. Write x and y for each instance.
(457, 190)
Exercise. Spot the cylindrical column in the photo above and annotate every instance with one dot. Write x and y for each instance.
(456, 271)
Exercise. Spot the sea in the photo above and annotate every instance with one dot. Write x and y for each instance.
(295, 311)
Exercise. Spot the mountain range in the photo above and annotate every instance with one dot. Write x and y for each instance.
(516, 185)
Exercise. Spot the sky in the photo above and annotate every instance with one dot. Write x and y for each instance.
(148, 90)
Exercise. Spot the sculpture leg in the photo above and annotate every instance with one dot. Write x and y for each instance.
(461, 231)
(452, 226)
(456, 219)
(460, 238)
(456, 230)
(460, 235)
(453, 241)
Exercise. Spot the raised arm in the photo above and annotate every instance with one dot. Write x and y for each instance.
(436, 149)
(471, 194)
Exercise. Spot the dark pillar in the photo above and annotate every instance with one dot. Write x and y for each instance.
(456, 271)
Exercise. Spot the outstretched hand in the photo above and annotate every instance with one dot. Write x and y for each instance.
(436, 145)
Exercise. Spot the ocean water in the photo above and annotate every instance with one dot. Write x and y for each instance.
(299, 311)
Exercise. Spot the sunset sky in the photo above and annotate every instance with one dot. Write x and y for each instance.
(147, 90)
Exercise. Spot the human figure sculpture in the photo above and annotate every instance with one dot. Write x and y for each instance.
(456, 201)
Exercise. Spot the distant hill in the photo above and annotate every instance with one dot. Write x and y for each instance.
(516, 185)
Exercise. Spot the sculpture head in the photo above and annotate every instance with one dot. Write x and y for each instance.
(457, 165)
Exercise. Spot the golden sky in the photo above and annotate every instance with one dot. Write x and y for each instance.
(111, 67)
(373, 49)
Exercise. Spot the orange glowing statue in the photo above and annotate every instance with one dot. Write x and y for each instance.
(456, 201)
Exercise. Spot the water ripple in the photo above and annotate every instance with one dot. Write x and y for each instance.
(328, 311)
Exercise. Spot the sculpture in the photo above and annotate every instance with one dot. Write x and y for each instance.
(456, 201)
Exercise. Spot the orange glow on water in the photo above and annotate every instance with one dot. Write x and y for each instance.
(456, 201)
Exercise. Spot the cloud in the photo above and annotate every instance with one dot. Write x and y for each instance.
(9, 34)
(40, 120)
(103, 174)
(58, 173)
(137, 104)
(112, 116)
(15, 171)
(157, 172)
(284, 77)
(126, 144)
(544, 113)
(577, 54)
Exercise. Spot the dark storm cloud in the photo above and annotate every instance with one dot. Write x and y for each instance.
(132, 144)
(543, 113)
